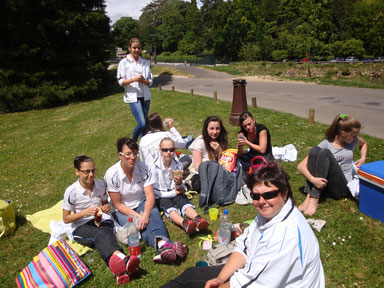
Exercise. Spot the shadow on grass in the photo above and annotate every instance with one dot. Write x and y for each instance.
(163, 79)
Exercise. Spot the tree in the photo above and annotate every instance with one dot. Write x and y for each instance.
(52, 52)
(235, 24)
(124, 29)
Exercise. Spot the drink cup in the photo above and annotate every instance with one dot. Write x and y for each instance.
(176, 173)
(213, 212)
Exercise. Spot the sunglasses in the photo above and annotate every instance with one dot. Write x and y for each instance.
(266, 195)
(168, 149)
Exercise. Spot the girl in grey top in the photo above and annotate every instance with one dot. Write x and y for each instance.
(329, 167)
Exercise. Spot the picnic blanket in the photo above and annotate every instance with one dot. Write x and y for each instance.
(42, 220)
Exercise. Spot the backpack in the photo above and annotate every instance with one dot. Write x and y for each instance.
(219, 254)
(218, 186)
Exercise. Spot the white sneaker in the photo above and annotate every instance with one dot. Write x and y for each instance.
(243, 197)
(247, 193)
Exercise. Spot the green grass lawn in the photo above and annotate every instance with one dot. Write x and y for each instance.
(37, 149)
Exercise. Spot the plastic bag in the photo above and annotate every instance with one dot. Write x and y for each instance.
(228, 159)
(122, 232)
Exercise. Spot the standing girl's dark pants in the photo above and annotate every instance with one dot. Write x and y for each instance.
(194, 277)
(321, 163)
(102, 238)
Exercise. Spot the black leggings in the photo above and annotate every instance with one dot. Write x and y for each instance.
(102, 238)
(194, 277)
(322, 163)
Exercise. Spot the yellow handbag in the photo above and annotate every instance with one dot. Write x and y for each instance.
(7, 217)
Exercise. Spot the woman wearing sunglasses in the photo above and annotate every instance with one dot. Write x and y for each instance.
(169, 190)
(278, 249)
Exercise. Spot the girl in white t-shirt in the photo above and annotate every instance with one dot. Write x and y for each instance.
(208, 146)
(329, 167)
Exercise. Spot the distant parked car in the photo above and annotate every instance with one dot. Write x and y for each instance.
(379, 58)
(337, 59)
(305, 60)
(369, 60)
(352, 59)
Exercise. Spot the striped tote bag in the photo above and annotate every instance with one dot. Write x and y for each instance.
(56, 266)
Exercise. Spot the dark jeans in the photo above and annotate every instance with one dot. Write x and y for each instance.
(102, 238)
(177, 203)
(194, 277)
(140, 112)
(321, 163)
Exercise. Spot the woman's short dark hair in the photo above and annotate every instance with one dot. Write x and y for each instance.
(154, 122)
(126, 141)
(271, 174)
(80, 159)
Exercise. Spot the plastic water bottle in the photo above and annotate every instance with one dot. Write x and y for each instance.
(133, 239)
(225, 228)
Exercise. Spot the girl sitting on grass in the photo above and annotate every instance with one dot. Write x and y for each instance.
(207, 146)
(169, 190)
(258, 139)
(329, 167)
(83, 203)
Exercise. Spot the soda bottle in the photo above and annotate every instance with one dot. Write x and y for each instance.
(224, 236)
(133, 239)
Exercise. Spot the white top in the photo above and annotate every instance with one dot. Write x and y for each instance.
(76, 199)
(164, 186)
(283, 252)
(199, 145)
(128, 68)
(131, 193)
(149, 144)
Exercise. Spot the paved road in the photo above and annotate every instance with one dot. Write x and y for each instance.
(365, 104)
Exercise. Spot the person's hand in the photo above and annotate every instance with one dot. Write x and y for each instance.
(179, 190)
(178, 179)
(215, 146)
(359, 162)
(213, 283)
(143, 221)
(169, 122)
(141, 79)
(91, 211)
(319, 182)
(241, 139)
(106, 208)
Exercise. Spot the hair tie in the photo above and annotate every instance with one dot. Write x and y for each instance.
(343, 116)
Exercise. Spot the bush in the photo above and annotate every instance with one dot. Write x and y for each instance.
(250, 52)
(354, 47)
(279, 55)
(165, 53)
(330, 73)
(345, 71)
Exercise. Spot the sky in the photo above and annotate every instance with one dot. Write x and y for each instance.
(126, 8)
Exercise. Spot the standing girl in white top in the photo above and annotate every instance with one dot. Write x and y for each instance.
(134, 74)
(329, 167)
(207, 146)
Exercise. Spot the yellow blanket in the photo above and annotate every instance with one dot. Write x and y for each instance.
(41, 220)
